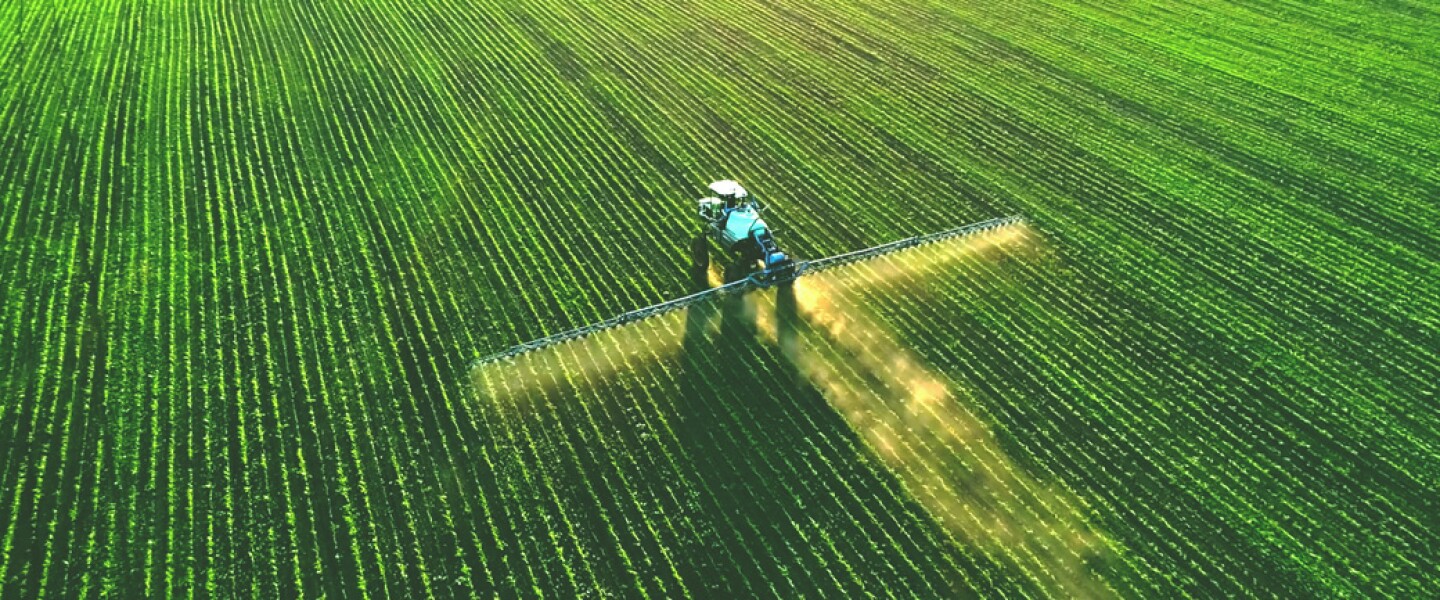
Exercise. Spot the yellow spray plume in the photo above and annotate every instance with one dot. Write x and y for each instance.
(918, 421)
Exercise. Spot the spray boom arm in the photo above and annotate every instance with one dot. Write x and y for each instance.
(758, 280)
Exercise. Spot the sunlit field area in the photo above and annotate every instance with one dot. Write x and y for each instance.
(252, 255)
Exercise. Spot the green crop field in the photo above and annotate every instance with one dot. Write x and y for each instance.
(251, 251)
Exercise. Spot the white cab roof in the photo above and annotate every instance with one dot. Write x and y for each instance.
(728, 187)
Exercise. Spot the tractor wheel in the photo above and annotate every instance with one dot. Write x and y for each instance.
(700, 253)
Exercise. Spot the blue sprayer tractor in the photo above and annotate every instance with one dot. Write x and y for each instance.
(732, 218)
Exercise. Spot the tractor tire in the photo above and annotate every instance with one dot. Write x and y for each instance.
(700, 253)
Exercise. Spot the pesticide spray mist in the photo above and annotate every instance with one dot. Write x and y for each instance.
(583, 362)
(914, 418)
(594, 359)
(919, 422)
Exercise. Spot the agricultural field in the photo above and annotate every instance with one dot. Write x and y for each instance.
(250, 253)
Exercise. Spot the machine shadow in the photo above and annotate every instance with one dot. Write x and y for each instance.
(715, 416)
(757, 434)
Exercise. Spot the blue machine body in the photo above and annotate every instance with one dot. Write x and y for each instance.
(735, 223)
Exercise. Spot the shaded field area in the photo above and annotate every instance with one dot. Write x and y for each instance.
(248, 252)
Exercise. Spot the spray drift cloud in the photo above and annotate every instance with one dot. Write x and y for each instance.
(920, 422)
(917, 420)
